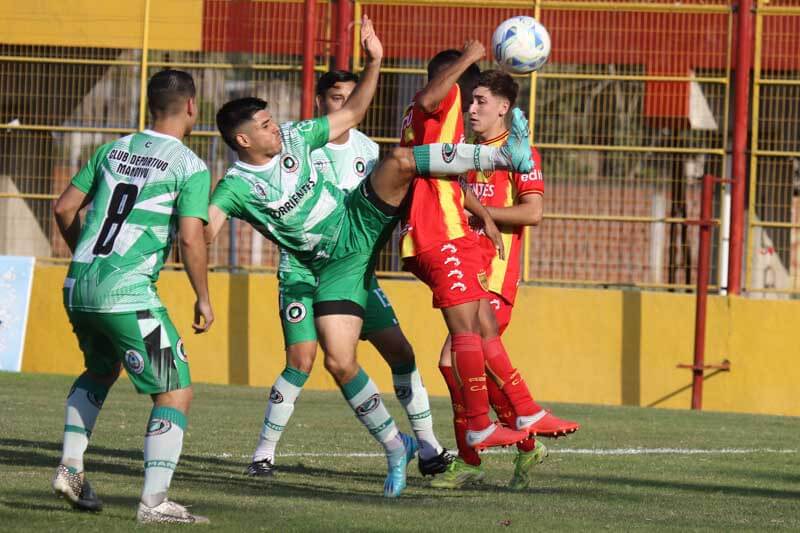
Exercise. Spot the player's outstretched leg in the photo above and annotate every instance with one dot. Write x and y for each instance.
(84, 402)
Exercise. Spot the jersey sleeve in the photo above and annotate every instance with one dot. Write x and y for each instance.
(230, 196)
(532, 183)
(84, 179)
(193, 198)
(315, 132)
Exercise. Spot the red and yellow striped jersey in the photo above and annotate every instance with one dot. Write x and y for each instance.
(503, 188)
(436, 209)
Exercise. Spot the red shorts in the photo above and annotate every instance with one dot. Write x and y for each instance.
(455, 271)
(502, 312)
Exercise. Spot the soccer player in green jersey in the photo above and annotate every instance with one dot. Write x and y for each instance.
(345, 162)
(336, 236)
(139, 189)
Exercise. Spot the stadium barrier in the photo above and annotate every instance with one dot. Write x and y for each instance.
(595, 346)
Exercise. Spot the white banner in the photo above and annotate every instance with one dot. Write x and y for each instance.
(16, 280)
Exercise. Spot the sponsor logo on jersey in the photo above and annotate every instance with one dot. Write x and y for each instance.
(453, 259)
(483, 190)
(402, 392)
(458, 286)
(360, 167)
(294, 200)
(483, 280)
(259, 190)
(449, 247)
(158, 426)
(321, 165)
(134, 362)
(295, 312)
(369, 405)
(289, 163)
(455, 273)
(448, 152)
(182, 351)
(275, 396)
(495, 303)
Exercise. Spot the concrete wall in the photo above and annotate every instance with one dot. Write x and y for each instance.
(572, 345)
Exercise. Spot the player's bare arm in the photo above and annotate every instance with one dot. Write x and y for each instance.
(216, 219)
(356, 107)
(195, 259)
(528, 212)
(474, 206)
(437, 88)
(66, 210)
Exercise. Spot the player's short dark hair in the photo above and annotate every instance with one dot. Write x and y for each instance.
(168, 91)
(235, 113)
(331, 78)
(468, 78)
(499, 84)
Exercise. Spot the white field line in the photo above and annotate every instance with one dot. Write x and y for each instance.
(575, 451)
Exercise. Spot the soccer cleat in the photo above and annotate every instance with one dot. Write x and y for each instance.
(546, 424)
(494, 435)
(75, 488)
(523, 463)
(435, 465)
(457, 475)
(397, 462)
(517, 148)
(262, 468)
(168, 512)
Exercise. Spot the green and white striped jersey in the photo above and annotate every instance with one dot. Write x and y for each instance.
(139, 185)
(287, 200)
(346, 165)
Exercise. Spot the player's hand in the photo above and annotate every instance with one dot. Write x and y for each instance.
(491, 231)
(475, 222)
(373, 48)
(202, 310)
(474, 50)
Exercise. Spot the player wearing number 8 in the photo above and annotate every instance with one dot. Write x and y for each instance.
(142, 188)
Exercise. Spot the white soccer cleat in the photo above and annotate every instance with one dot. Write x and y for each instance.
(75, 488)
(168, 512)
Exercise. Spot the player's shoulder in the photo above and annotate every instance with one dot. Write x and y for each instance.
(191, 162)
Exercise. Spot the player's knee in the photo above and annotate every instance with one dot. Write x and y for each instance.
(301, 359)
(341, 368)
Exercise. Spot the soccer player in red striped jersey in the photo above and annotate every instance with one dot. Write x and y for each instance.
(514, 200)
(439, 247)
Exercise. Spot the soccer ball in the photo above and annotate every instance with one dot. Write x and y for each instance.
(521, 45)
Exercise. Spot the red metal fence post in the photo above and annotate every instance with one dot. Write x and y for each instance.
(703, 268)
(741, 119)
(344, 16)
(309, 56)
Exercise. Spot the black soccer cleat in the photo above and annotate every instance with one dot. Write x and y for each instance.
(435, 465)
(262, 468)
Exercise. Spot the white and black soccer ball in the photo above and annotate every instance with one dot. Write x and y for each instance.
(521, 45)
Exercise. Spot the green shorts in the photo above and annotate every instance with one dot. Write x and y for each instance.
(296, 301)
(343, 279)
(146, 342)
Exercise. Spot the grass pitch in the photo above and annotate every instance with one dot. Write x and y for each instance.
(628, 468)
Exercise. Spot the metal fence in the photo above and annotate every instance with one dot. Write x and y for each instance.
(631, 111)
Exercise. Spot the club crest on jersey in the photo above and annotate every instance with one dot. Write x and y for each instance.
(402, 392)
(158, 426)
(289, 163)
(259, 190)
(275, 396)
(134, 362)
(360, 167)
(295, 312)
(182, 351)
(483, 280)
(369, 405)
(448, 152)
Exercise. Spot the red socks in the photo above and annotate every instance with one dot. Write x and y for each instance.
(508, 379)
(468, 364)
(469, 455)
(505, 412)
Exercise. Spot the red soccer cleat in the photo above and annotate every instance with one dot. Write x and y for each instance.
(546, 424)
(494, 435)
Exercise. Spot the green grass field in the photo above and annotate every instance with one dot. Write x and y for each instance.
(628, 468)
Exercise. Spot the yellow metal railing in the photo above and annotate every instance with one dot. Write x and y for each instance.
(772, 262)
